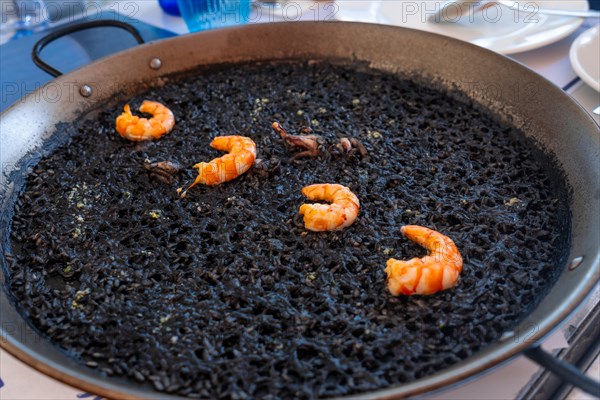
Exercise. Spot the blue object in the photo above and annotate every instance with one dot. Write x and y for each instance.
(200, 15)
(170, 7)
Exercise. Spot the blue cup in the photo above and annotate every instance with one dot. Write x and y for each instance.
(200, 15)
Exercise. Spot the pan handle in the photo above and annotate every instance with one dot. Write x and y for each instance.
(565, 371)
(43, 42)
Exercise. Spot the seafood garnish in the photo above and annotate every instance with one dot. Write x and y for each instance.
(342, 211)
(163, 171)
(242, 153)
(312, 144)
(137, 128)
(437, 271)
(349, 147)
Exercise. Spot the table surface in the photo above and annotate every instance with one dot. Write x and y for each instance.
(551, 62)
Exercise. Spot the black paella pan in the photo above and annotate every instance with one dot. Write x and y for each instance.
(541, 110)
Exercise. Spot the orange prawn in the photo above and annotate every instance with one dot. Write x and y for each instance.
(342, 211)
(136, 128)
(242, 153)
(437, 271)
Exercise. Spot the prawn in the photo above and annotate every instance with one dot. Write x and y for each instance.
(342, 211)
(437, 271)
(242, 153)
(137, 129)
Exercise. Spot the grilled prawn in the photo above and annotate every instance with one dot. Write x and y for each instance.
(242, 152)
(136, 128)
(342, 211)
(437, 271)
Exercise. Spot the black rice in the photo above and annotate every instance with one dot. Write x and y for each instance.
(224, 294)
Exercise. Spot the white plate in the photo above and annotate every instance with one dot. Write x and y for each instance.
(585, 57)
(497, 28)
